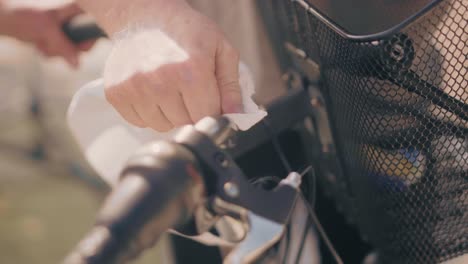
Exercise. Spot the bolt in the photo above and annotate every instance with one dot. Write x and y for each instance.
(231, 143)
(231, 189)
(220, 158)
(315, 102)
(398, 52)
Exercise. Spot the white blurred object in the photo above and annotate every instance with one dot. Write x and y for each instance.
(27, 76)
(107, 140)
(16, 65)
(56, 83)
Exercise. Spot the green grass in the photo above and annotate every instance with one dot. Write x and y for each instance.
(44, 212)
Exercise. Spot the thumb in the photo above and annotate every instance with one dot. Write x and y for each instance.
(227, 76)
(60, 45)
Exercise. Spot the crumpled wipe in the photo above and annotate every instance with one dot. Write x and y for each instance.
(107, 140)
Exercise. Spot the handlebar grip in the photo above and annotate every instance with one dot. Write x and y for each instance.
(80, 32)
(159, 189)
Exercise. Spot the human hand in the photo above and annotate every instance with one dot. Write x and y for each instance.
(43, 29)
(164, 75)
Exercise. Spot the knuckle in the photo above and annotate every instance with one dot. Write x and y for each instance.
(145, 86)
(156, 83)
(118, 95)
(189, 76)
(137, 85)
(160, 90)
(229, 84)
(112, 96)
(231, 52)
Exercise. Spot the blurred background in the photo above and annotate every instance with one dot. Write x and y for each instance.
(48, 195)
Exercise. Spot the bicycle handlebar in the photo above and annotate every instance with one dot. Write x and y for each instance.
(158, 190)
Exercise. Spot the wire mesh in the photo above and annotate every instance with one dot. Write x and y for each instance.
(400, 116)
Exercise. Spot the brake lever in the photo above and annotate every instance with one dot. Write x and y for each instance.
(264, 233)
(225, 180)
(263, 214)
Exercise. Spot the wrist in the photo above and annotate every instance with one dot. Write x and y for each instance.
(123, 15)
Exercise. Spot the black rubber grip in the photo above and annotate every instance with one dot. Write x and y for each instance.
(82, 32)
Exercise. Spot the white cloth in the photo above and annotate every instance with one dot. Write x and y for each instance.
(107, 140)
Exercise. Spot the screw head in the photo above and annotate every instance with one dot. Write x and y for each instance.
(315, 102)
(231, 189)
(221, 159)
(397, 52)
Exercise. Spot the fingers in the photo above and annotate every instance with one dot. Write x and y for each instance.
(179, 94)
(60, 45)
(227, 75)
(138, 111)
(175, 110)
(164, 86)
(147, 94)
(156, 103)
(116, 96)
(200, 93)
(86, 46)
(192, 73)
(153, 117)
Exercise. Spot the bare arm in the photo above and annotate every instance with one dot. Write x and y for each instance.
(42, 28)
(170, 65)
(117, 15)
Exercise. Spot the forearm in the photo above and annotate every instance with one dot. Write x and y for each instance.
(118, 15)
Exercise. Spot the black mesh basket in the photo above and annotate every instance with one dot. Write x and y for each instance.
(399, 113)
